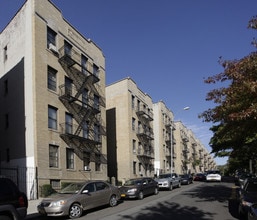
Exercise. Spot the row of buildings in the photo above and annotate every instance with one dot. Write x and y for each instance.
(61, 123)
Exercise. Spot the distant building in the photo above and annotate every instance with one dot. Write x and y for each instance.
(52, 98)
(129, 131)
(192, 155)
(164, 141)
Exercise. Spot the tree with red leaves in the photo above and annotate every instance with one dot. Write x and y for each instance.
(235, 114)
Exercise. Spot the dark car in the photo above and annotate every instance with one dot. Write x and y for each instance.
(77, 197)
(243, 177)
(199, 177)
(139, 188)
(186, 179)
(13, 203)
(247, 196)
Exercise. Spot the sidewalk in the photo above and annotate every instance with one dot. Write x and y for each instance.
(32, 208)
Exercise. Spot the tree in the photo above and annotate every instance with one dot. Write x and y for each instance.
(235, 114)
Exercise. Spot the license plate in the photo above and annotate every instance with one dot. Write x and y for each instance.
(123, 195)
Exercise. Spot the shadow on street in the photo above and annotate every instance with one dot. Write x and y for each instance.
(207, 193)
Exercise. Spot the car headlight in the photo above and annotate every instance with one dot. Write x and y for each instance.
(57, 203)
(132, 190)
(245, 203)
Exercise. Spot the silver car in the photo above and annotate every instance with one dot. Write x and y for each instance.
(77, 197)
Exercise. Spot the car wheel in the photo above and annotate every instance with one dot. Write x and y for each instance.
(113, 201)
(171, 187)
(75, 211)
(140, 195)
(4, 217)
(156, 191)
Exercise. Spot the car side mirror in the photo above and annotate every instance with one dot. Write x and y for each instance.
(85, 191)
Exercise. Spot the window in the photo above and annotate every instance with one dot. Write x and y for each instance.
(55, 184)
(138, 105)
(68, 86)
(133, 102)
(68, 123)
(101, 186)
(86, 129)
(51, 37)
(86, 159)
(90, 187)
(85, 97)
(134, 146)
(95, 70)
(140, 168)
(69, 158)
(5, 53)
(67, 48)
(96, 101)
(139, 127)
(97, 132)
(134, 167)
(133, 124)
(53, 156)
(51, 78)
(52, 117)
(84, 64)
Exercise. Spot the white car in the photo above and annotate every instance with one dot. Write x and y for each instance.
(213, 175)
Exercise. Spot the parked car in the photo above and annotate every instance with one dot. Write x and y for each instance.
(252, 213)
(77, 197)
(169, 181)
(199, 177)
(213, 175)
(243, 177)
(247, 196)
(139, 188)
(186, 179)
(13, 202)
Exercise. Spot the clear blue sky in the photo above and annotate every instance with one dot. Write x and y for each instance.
(166, 46)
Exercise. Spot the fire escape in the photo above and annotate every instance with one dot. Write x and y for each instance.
(82, 97)
(145, 135)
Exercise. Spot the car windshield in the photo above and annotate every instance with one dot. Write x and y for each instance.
(184, 176)
(163, 176)
(73, 188)
(132, 182)
(213, 172)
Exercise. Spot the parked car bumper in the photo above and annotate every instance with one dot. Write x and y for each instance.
(53, 211)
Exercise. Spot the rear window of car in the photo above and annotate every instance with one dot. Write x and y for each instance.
(213, 172)
(7, 187)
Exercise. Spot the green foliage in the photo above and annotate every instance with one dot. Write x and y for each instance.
(47, 190)
(64, 184)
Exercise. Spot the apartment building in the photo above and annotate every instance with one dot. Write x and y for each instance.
(192, 155)
(129, 131)
(164, 141)
(52, 98)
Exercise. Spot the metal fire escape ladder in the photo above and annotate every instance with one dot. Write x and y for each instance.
(82, 112)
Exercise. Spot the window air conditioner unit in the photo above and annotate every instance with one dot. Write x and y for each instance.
(87, 168)
(52, 48)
